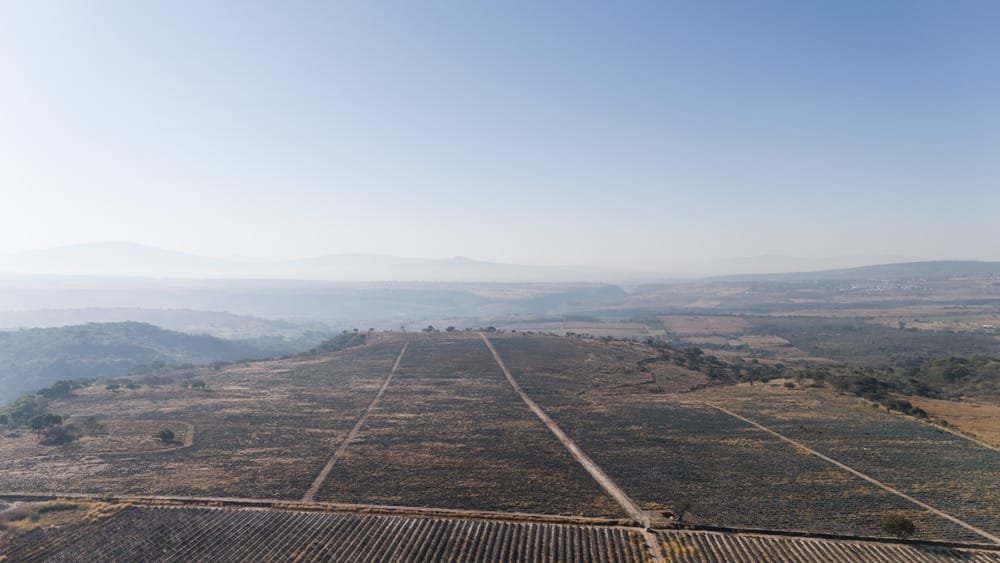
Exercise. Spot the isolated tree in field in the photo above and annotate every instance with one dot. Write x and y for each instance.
(165, 435)
(58, 389)
(899, 526)
(59, 435)
(42, 422)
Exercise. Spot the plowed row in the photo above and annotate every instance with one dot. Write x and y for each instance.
(174, 534)
(221, 535)
(708, 547)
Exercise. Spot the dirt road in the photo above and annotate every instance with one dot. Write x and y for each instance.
(595, 471)
(310, 495)
(857, 473)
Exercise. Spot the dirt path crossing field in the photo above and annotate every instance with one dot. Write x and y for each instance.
(857, 473)
(627, 504)
(310, 495)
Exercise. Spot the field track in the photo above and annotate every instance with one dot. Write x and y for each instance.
(857, 473)
(627, 504)
(321, 478)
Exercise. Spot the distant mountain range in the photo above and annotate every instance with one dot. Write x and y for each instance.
(116, 259)
(938, 269)
(124, 259)
(778, 263)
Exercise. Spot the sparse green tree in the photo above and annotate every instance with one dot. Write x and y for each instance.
(58, 389)
(59, 435)
(165, 435)
(42, 422)
(899, 526)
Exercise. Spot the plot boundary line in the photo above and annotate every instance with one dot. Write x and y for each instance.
(857, 473)
(595, 471)
(310, 495)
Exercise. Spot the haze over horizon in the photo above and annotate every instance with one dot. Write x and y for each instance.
(121, 258)
(663, 138)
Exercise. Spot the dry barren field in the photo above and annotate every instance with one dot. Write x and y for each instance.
(451, 432)
(946, 471)
(976, 418)
(418, 447)
(673, 448)
(261, 430)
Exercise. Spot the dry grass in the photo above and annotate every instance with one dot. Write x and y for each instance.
(25, 517)
(115, 437)
(263, 429)
(980, 420)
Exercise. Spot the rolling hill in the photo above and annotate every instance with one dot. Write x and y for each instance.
(35, 358)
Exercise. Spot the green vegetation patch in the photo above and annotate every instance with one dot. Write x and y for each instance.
(857, 342)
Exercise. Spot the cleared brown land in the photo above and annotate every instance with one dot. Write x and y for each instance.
(116, 436)
(451, 432)
(666, 449)
(325, 473)
(262, 430)
(946, 471)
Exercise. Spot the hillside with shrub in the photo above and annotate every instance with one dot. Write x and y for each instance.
(31, 359)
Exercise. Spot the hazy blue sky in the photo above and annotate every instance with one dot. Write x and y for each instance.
(635, 134)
